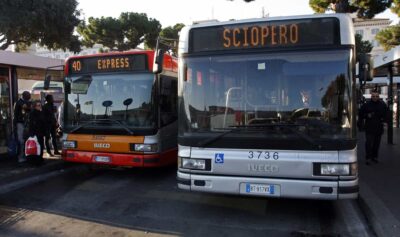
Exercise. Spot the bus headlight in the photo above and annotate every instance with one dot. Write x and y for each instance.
(336, 169)
(146, 147)
(69, 144)
(194, 164)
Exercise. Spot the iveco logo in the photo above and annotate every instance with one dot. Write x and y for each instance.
(263, 168)
(101, 145)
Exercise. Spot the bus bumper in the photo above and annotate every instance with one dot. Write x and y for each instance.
(283, 188)
(125, 160)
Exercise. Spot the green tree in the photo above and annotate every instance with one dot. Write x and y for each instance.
(169, 37)
(172, 32)
(50, 23)
(389, 37)
(151, 37)
(105, 30)
(363, 8)
(123, 33)
(362, 46)
(396, 7)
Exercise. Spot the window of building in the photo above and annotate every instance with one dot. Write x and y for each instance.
(360, 32)
(374, 31)
(375, 43)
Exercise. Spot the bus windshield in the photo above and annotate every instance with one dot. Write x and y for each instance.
(268, 92)
(125, 98)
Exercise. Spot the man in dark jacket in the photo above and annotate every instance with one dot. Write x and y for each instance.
(51, 124)
(22, 109)
(371, 117)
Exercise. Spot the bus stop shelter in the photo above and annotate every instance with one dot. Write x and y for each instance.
(388, 65)
(18, 72)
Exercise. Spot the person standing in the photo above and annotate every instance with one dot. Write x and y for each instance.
(49, 113)
(37, 127)
(371, 117)
(22, 109)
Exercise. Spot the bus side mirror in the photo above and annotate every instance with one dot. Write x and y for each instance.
(365, 68)
(46, 83)
(158, 61)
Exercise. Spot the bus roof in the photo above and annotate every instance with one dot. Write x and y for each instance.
(346, 27)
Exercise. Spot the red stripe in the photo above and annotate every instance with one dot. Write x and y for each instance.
(131, 160)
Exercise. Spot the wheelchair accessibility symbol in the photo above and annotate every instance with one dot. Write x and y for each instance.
(219, 158)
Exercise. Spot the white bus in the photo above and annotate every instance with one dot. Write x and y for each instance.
(267, 107)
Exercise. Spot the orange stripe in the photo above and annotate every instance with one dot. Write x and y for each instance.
(104, 143)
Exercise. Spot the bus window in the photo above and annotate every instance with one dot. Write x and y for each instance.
(168, 100)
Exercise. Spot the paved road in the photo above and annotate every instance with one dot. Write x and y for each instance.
(147, 203)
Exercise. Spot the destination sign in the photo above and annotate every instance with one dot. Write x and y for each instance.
(111, 63)
(266, 34)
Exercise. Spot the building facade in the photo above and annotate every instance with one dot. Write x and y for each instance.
(61, 54)
(368, 28)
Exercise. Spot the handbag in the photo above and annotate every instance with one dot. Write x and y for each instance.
(32, 147)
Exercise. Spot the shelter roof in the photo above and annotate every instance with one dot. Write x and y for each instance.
(382, 61)
(28, 60)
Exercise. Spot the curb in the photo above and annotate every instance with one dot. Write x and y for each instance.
(379, 217)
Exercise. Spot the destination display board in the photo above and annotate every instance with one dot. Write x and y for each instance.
(109, 63)
(266, 34)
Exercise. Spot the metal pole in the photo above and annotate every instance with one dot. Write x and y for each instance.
(398, 107)
(390, 105)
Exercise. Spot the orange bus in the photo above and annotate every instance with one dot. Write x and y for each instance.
(120, 110)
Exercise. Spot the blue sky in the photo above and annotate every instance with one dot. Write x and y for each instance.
(170, 12)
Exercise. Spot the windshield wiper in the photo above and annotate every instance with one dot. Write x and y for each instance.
(288, 126)
(212, 139)
(96, 121)
(267, 125)
(119, 123)
(81, 126)
(304, 136)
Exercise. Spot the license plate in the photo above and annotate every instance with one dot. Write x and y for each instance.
(103, 159)
(260, 189)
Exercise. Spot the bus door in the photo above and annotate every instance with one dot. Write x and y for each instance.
(5, 109)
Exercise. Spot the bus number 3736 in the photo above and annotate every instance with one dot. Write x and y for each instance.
(263, 155)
